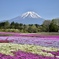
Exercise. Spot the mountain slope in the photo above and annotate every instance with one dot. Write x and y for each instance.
(28, 18)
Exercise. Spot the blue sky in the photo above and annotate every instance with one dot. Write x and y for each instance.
(47, 9)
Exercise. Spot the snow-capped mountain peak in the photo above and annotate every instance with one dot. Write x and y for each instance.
(30, 14)
(28, 18)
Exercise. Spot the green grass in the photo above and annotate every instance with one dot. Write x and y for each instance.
(5, 34)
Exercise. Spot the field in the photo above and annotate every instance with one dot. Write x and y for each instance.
(29, 45)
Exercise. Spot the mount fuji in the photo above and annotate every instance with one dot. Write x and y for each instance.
(28, 18)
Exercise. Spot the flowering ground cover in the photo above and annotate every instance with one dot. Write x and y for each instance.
(5, 41)
(30, 35)
(18, 51)
(48, 42)
(29, 46)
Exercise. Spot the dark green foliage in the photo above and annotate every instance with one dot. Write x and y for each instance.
(47, 22)
(53, 27)
(12, 25)
(47, 26)
(32, 29)
(5, 25)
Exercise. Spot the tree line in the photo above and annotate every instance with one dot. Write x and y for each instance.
(47, 26)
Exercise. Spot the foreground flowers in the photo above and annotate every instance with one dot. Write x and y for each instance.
(18, 51)
(48, 42)
(23, 55)
(29, 46)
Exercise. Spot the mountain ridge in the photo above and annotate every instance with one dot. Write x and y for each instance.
(29, 17)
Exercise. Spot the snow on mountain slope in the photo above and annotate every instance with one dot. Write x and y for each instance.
(31, 15)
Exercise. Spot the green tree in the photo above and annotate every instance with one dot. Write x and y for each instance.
(20, 26)
(45, 28)
(53, 27)
(46, 22)
(16, 26)
(12, 25)
(6, 25)
(32, 29)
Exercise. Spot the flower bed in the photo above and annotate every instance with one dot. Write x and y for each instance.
(29, 46)
(29, 35)
(49, 42)
(18, 51)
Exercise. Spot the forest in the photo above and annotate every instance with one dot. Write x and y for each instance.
(47, 26)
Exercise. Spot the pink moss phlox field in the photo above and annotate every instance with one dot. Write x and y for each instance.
(31, 35)
(24, 55)
(55, 53)
(35, 39)
(52, 42)
(5, 41)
